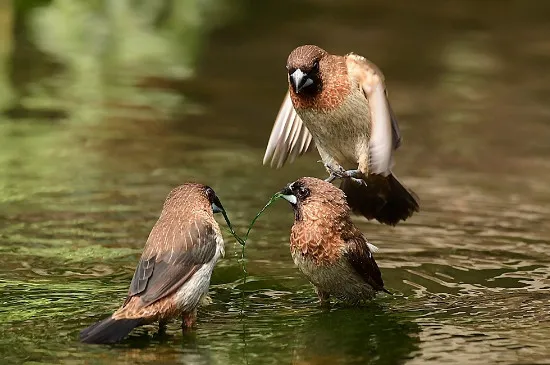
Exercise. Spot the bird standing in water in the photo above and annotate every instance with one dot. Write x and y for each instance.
(327, 247)
(173, 274)
(340, 103)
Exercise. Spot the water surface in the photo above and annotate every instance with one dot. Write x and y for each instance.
(108, 106)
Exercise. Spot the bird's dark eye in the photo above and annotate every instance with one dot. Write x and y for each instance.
(302, 192)
(290, 70)
(210, 193)
(315, 67)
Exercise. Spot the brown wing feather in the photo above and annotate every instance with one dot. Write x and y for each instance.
(396, 133)
(361, 259)
(173, 254)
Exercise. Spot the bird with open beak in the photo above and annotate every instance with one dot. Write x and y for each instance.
(327, 247)
(340, 103)
(173, 274)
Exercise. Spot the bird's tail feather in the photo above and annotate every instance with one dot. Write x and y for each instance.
(383, 198)
(109, 330)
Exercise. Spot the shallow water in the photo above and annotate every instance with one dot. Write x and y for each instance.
(107, 107)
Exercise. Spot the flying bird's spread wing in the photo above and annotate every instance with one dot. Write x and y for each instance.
(173, 255)
(289, 138)
(385, 135)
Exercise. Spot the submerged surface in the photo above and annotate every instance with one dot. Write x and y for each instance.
(93, 138)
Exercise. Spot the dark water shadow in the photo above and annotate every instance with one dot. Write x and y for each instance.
(369, 335)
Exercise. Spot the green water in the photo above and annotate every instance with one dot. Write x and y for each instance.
(107, 105)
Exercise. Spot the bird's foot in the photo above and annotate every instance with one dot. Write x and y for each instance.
(359, 181)
(324, 298)
(335, 172)
(162, 327)
(340, 173)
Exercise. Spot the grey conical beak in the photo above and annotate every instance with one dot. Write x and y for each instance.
(299, 80)
(287, 195)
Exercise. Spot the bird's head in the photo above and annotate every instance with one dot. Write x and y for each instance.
(214, 201)
(192, 196)
(312, 198)
(305, 67)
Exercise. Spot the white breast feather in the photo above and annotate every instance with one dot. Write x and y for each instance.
(189, 295)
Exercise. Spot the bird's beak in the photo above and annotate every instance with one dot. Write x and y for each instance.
(287, 195)
(299, 80)
(217, 206)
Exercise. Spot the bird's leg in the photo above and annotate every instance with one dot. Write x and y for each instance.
(324, 297)
(337, 172)
(162, 327)
(333, 168)
(188, 320)
(356, 175)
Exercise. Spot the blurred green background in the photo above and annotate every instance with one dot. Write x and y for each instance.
(108, 104)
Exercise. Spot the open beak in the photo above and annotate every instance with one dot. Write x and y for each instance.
(299, 80)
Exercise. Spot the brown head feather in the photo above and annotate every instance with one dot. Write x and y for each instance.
(334, 85)
(187, 198)
(324, 200)
(184, 207)
(304, 57)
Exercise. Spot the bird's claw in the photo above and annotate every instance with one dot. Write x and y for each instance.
(335, 173)
(331, 178)
(358, 181)
(340, 173)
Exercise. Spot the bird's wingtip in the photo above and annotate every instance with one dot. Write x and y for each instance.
(372, 247)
